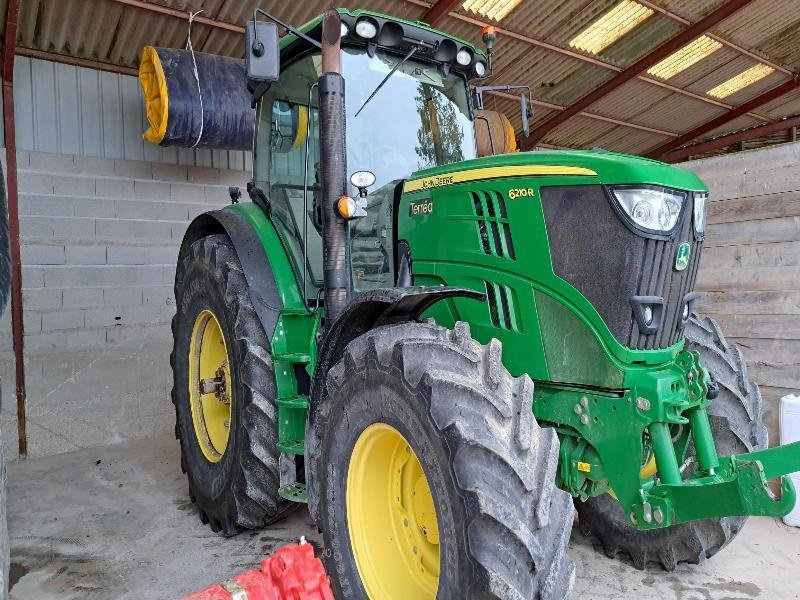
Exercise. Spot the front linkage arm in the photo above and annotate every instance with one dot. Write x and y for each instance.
(604, 450)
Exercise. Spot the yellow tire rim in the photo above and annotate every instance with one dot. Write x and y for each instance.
(210, 386)
(391, 517)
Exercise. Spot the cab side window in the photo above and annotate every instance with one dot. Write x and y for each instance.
(287, 129)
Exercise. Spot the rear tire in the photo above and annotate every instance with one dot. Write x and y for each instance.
(736, 417)
(502, 525)
(239, 488)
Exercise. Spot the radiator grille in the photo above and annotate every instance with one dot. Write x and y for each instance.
(593, 249)
(492, 224)
(659, 278)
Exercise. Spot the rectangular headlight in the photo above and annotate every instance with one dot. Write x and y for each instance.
(650, 207)
(700, 200)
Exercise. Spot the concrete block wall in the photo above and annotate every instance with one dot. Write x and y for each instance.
(750, 270)
(99, 242)
(100, 239)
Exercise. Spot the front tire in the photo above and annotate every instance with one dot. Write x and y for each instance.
(736, 417)
(228, 437)
(430, 476)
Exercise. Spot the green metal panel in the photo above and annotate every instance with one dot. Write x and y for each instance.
(609, 168)
(293, 341)
(446, 244)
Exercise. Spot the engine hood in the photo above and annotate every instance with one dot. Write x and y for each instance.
(588, 166)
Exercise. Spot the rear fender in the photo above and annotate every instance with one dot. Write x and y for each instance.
(257, 253)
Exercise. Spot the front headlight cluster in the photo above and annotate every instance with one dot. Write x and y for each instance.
(651, 207)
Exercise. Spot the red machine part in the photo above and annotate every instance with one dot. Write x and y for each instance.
(292, 573)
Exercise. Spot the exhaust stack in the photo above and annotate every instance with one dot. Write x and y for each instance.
(335, 253)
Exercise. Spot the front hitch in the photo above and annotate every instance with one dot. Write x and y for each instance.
(738, 487)
(603, 450)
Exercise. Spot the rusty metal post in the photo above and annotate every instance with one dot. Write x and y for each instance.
(12, 14)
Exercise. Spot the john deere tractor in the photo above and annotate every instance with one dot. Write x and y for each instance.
(443, 353)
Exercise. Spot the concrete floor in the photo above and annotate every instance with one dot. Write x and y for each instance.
(116, 522)
(90, 397)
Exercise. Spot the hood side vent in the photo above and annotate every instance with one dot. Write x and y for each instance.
(502, 309)
(492, 220)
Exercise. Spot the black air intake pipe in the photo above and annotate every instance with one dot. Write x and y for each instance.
(333, 167)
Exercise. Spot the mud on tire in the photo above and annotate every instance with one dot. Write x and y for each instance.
(241, 490)
(503, 526)
(736, 416)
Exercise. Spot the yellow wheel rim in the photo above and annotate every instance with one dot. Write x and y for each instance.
(391, 517)
(210, 386)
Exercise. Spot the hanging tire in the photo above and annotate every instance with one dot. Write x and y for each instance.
(736, 417)
(430, 476)
(227, 429)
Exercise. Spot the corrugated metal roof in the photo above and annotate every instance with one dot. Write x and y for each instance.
(744, 122)
(108, 31)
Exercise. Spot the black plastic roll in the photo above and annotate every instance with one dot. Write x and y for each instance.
(217, 115)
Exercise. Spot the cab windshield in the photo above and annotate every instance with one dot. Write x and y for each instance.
(419, 118)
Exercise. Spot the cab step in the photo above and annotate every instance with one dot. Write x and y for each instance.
(292, 447)
(300, 401)
(296, 492)
(293, 357)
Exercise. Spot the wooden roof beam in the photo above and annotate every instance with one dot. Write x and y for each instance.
(727, 117)
(581, 57)
(732, 138)
(180, 14)
(589, 115)
(687, 35)
(438, 12)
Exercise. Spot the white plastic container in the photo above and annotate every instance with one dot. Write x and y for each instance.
(790, 432)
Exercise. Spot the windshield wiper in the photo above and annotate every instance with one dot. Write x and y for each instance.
(385, 79)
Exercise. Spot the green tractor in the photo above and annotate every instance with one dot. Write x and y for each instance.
(444, 355)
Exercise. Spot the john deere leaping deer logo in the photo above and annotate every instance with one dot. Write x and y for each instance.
(682, 256)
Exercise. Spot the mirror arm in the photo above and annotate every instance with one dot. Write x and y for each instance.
(286, 26)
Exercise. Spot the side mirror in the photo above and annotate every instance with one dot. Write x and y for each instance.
(261, 54)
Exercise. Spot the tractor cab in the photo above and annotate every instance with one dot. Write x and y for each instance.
(407, 109)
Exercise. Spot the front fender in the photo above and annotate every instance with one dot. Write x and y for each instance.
(368, 310)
